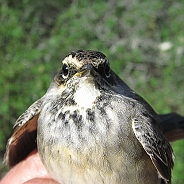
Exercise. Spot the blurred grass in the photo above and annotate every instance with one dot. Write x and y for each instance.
(142, 39)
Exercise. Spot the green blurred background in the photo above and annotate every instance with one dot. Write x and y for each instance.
(144, 41)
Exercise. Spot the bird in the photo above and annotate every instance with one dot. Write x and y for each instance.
(91, 127)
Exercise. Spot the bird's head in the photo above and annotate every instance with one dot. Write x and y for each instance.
(85, 63)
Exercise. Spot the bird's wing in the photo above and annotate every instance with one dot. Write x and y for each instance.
(148, 133)
(23, 138)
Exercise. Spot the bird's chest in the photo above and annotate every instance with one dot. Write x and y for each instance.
(85, 121)
(90, 143)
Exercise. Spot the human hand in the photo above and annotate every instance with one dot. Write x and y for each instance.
(29, 171)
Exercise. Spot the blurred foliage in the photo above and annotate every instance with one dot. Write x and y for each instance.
(142, 39)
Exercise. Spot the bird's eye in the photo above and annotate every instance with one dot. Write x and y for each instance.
(65, 71)
(107, 70)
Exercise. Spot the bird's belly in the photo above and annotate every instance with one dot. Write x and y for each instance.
(69, 166)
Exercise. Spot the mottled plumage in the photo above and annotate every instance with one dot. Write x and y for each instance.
(92, 128)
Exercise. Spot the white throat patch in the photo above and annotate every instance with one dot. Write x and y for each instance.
(86, 94)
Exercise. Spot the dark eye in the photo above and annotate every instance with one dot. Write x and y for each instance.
(65, 71)
(107, 71)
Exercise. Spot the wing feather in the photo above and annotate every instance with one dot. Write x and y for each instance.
(23, 138)
(147, 131)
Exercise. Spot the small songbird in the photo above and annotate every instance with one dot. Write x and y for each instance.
(92, 128)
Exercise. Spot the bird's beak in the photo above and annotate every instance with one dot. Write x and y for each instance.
(85, 70)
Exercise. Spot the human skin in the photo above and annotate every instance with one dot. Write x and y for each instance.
(28, 171)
